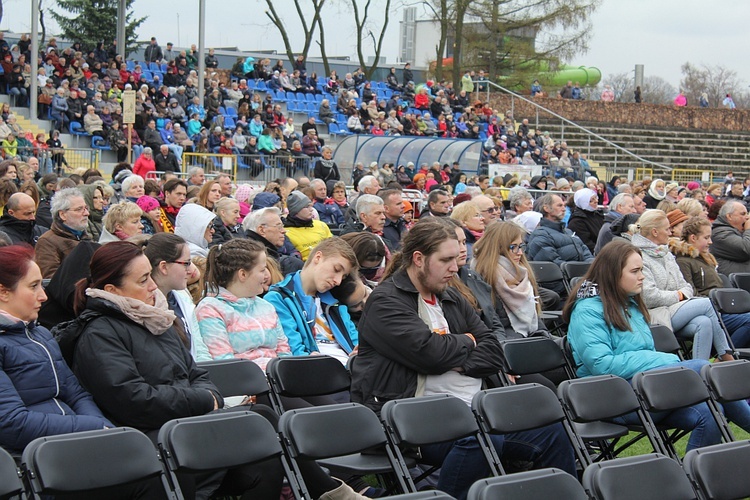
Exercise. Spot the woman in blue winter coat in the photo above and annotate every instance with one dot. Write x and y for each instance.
(39, 395)
(609, 334)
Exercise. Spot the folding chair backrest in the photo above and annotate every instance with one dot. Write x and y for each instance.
(546, 272)
(10, 478)
(574, 269)
(725, 281)
(740, 280)
(83, 461)
(217, 441)
(664, 340)
(531, 355)
(541, 484)
(516, 408)
(331, 431)
(645, 477)
(670, 388)
(598, 398)
(720, 471)
(236, 377)
(730, 300)
(299, 376)
(729, 380)
(428, 420)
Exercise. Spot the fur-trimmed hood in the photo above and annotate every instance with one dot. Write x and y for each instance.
(682, 248)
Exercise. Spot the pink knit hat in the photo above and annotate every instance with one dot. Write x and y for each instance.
(693, 185)
(243, 192)
(147, 203)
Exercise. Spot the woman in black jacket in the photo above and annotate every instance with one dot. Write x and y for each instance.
(134, 358)
(586, 221)
(325, 168)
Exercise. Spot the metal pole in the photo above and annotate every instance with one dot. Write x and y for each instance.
(34, 59)
(122, 12)
(201, 48)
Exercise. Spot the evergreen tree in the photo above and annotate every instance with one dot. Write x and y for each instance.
(94, 21)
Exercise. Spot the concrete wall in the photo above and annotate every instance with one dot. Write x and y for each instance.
(628, 114)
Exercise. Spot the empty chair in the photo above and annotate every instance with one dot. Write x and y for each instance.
(540, 484)
(430, 420)
(546, 272)
(335, 436)
(671, 391)
(533, 355)
(727, 382)
(85, 461)
(306, 377)
(99, 143)
(572, 270)
(220, 441)
(592, 402)
(10, 476)
(719, 472)
(645, 477)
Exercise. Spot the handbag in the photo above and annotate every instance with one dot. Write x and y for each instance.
(44, 99)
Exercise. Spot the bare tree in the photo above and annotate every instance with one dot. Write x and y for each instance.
(308, 31)
(715, 81)
(363, 26)
(622, 86)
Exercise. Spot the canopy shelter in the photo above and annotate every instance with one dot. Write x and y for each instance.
(400, 150)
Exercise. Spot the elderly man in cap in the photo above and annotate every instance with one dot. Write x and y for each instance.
(302, 230)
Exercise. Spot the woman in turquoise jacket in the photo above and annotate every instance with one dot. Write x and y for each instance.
(312, 319)
(609, 335)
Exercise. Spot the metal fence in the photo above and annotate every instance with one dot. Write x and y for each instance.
(684, 175)
(258, 168)
(67, 160)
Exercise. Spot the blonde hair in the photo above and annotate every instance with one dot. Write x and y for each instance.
(690, 207)
(119, 214)
(649, 220)
(465, 211)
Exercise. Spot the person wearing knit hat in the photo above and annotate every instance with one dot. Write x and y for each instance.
(461, 198)
(528, 220)
(419, 182)
(671, 192)
(693, 185)
(302, 230)
(586, 221)
(562, 184)
(242, 194)
(151, 218)
(676, 220)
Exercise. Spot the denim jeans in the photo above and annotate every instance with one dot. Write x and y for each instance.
(462, 462)
(697, 320)
(738, 326)
(697, 418)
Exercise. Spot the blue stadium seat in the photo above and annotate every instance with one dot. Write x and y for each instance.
(154, 67)
(229, 122)
(309, 97)
(222, 110)
(251, 84)
(312, 107)
(290, 96)
(99, 143)
(77, 130)
(261, 86)
(163, 68)
(147, 74)
(280, 96)
(130, 65)
(230, 111)
(299, 96)
(318, 98)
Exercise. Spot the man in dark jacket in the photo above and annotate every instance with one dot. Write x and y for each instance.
(418, 336)
(395, 225)
(166, 161)
(552, 242)
(19, 221)
(731, 238)
(622, 204)
(265, 226)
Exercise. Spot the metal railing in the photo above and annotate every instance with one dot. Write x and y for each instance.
(67, 160)
(618, 150)
(245, 167)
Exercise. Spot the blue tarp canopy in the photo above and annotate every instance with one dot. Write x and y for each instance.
(400, 150)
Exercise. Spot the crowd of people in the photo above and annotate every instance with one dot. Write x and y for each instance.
(112, 293)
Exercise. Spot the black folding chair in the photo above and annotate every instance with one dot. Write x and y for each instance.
(547, 274)
(522, 408)
(725, 281)
(336, 436)
(236, 377)
(719, 472)
(11, 484)
(740, 280)
(592, 402)
(645, 477)
(424, 495)
(541, 484)
(727, 381)
(731, 301)
(533, 355)
(85, 461)
(415, 422)
(302, 376)
(572, 270)
(665, 341)
(670, 389)
(218, 441)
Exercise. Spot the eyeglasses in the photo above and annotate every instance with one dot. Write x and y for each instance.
(516, 248)
(79, 209)
(491, 210)
(185, 263)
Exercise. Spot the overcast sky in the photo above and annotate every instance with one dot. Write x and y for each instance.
(661, 34)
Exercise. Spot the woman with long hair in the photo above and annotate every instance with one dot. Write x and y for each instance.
(669, 298)
(470, 217)
(209, 194)
(609, 334)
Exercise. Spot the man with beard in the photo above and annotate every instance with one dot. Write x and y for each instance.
(70, 216)
(418, 336)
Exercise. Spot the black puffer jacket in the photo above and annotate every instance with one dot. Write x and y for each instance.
(586, 225)
(21, 231)
(137, 378)
(396, 346)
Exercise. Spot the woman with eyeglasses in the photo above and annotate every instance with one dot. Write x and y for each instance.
(500, 260)
(171, 270)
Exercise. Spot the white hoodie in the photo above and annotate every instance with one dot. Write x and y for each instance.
(192, 221)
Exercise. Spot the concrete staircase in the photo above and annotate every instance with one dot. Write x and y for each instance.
(713, 151)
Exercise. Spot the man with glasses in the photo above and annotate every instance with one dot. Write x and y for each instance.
(487, 208)
(551, 241)
(265, 226)
(70, 217)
